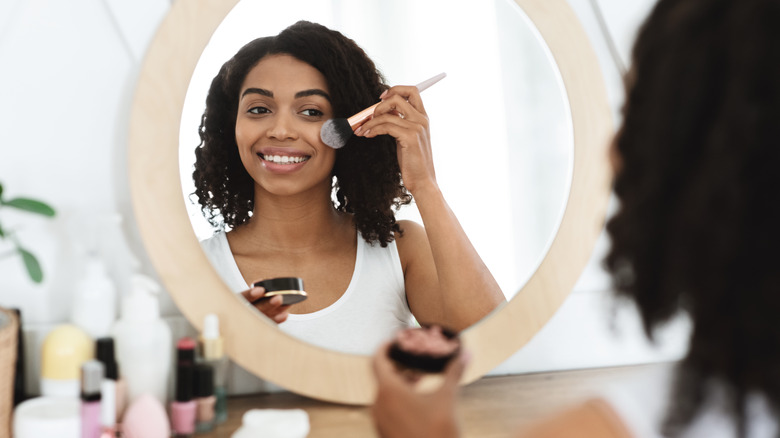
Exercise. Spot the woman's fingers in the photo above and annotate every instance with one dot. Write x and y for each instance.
(274, 307)
(408, 93)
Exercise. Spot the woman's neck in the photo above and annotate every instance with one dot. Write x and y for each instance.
(289, 223)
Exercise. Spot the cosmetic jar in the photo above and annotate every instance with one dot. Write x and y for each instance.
(48, 417)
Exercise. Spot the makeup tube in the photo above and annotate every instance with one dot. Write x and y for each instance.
(91, 380)
(114, 389)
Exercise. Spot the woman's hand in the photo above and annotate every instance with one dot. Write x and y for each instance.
(401, 114)
(400, 411)
(272, 308)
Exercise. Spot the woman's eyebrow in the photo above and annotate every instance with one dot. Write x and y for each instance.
(312, 92)
(262, 91)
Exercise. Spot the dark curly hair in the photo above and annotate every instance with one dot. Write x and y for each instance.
(366, 174)
(698, 226)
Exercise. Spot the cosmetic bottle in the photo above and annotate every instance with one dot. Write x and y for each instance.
(184, 407)
(64, 349)
(113, 388)
(212, 352)
(91, 380)
(143, 342)
(204, 398)
(94, 301)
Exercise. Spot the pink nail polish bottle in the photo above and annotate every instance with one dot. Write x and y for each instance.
(184, 408)
(91, 380)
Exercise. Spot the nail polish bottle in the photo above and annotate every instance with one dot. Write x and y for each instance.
(213, 353)
(205, 399)
(91, 380)
(185, 351)
(184, 408)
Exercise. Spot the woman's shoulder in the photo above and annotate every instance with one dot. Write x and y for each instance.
(411, 241)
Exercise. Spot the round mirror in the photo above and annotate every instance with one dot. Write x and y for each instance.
(571, 199)
(505, 172)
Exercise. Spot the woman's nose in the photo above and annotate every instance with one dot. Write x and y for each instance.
(282, 128)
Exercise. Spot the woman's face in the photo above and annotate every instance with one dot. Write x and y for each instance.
(281, 108)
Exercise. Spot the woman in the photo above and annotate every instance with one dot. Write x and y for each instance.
(697, 231)
(292, 206)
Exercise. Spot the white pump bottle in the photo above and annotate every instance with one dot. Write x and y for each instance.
(143, 342)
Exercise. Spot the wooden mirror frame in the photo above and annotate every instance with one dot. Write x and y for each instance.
(255, 343)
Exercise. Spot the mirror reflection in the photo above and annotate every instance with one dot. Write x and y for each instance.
(285, 205)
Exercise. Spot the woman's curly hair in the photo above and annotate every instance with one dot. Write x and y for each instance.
(698, 181)
(366, 174)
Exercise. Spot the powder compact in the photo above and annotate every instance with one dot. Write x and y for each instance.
(290, 289)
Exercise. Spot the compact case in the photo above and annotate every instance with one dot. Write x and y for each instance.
(290, 289)
(421, 362)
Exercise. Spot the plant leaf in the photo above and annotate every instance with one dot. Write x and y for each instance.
(32, 265)
(2, 233)
(30, 205)
(1, 190)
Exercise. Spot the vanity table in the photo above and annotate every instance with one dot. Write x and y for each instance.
(490, 407)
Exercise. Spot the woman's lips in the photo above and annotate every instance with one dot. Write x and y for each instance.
(279, 163)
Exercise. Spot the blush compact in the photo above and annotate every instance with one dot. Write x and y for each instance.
(289, 288)
(424, 349)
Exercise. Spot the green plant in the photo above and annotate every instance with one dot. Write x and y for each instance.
(31, 206)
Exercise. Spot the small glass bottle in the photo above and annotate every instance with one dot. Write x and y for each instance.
(205, 399)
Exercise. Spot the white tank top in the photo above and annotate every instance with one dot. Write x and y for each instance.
(369, 312)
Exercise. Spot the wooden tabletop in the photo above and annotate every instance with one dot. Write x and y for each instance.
(490, 407)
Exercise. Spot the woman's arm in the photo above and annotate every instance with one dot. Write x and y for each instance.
(446, 280)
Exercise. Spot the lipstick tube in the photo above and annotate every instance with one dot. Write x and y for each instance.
(91, 380)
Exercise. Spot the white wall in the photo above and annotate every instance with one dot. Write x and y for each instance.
(66, 80)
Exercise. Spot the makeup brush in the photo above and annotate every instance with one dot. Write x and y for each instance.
(336, 132)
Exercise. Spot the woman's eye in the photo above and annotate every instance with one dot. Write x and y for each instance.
(258, 110)
(311, 112)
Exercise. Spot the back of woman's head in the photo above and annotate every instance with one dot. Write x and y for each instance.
(698, 182)
(366, 170)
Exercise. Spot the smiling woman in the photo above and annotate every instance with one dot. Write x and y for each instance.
(298, 208)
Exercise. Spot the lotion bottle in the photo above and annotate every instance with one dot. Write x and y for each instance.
(143, 342)
(94, 301)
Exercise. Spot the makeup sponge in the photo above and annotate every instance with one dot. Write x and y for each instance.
(146, 418)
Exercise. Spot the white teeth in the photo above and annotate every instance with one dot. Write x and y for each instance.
(284, 159)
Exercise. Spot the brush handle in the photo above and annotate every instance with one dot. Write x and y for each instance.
(361, 117)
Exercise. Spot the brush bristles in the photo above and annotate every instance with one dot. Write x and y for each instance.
(336, 132)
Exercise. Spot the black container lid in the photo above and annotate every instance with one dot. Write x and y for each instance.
(204, 381)
(281, 283)
(105, 353)
(184, 382)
